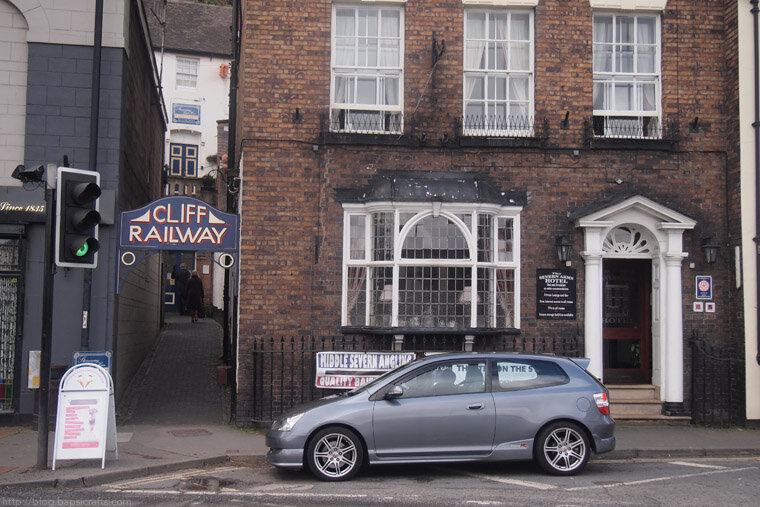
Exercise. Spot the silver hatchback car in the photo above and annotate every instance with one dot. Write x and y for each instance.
(453, 408)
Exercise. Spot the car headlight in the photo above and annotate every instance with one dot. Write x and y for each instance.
(286, 423)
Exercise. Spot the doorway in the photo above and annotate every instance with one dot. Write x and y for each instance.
(627, 330)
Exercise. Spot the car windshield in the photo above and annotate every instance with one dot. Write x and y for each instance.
(382, 377)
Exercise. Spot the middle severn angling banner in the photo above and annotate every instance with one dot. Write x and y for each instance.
(348, 370)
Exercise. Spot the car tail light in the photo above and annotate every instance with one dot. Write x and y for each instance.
(602, 403)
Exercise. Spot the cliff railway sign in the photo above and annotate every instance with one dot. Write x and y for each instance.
(179, 223)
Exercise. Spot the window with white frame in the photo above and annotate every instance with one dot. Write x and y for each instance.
(187, 72)
(424, 266)
(498, 72)
(626, 93)
(366, 89)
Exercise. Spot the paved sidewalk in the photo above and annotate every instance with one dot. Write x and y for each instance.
(174, 418)
(152, 449)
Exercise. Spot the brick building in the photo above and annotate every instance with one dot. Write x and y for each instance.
(409, 168)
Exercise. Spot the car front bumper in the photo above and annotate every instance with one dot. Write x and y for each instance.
(285, 449)
(285, 458)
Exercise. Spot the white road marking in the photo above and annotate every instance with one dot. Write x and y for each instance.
(515, 482)
(697, 465)
(251, 494)
(661, 479)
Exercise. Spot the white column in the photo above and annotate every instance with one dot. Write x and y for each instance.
(592, 319)
(672, 385)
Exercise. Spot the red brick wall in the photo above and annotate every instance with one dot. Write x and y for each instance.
(291, 251)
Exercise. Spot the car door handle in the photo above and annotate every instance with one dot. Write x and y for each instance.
(475, 406)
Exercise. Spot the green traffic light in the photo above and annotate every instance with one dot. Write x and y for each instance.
(82, 250)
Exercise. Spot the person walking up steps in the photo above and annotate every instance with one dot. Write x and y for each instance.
(194, 296)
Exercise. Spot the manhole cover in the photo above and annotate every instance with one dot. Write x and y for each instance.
(190, 433)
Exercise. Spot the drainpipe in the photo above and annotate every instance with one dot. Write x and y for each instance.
(756, 126)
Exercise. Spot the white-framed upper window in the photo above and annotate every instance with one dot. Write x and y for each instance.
(187, 72)
(431, 266)
(498, 72)
(367, 70)
(627, 79)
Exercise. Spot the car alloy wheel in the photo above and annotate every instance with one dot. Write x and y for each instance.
(563, 449)
(335, 454)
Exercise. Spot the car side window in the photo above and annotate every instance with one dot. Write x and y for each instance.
(519, 374)
(446, 379)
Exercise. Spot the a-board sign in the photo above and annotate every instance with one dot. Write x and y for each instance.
(86, 419)
(555, 294)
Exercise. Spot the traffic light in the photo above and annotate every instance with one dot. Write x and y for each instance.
(77, 218)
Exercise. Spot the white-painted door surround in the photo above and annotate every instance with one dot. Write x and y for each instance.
(638, 228)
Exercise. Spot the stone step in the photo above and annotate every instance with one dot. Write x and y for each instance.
(633, 392)
(654, 419)
(636, 407)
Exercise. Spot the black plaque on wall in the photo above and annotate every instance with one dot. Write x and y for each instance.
(555, 294)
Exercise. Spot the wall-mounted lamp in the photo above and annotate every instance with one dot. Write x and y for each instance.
(563, 249)
(710, 249)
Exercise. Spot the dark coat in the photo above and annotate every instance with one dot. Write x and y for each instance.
(180, 280)
(194, 293)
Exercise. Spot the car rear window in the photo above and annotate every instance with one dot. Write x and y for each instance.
(518, 374)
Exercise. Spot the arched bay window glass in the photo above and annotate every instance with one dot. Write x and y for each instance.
(431, 266)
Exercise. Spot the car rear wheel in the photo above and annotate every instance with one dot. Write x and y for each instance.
(335, 454)
(562, 449)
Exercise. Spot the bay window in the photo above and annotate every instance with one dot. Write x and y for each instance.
(431, 266)
(626, 92)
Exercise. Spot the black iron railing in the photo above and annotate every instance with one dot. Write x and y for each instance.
(284, 368)
(717, 385)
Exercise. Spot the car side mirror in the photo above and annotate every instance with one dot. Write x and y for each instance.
(394, 392)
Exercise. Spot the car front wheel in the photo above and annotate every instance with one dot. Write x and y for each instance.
(562, 449)
(335, 454)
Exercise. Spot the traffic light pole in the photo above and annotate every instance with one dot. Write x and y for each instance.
(46, 342)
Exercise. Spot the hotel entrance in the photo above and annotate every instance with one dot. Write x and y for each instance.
(627, 330)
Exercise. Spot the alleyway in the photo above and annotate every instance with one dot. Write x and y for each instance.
(178, 384)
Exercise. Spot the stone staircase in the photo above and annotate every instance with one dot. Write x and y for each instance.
(640, 403)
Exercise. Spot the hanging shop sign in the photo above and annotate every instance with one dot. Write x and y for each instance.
(18, 204)
(348, 370)
(556, 296)
(179, 223)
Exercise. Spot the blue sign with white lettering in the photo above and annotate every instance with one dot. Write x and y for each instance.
(179, 223)
(99, 357)
(188, 114)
